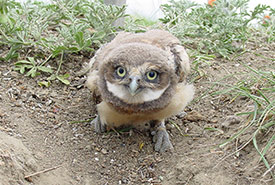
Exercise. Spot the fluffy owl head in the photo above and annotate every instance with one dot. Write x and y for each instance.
(137, 72)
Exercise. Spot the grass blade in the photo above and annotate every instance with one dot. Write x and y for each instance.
(261, 154)
(242, 130)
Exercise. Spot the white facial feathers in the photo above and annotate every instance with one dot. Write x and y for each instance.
(145, 95)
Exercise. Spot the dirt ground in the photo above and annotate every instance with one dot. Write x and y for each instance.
(40, 131)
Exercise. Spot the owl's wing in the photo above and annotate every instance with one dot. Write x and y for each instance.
(92, 78)
(181, 60)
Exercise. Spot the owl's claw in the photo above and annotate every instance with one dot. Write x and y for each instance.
(161, 139)
(98, 126)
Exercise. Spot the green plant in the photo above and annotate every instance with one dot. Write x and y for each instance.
(3, 11)
(259, 87)
(221, 29)
(267, 23)
(139, 24)
(52, 30)
(32, 66)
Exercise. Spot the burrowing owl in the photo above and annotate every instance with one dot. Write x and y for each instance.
(141, 79)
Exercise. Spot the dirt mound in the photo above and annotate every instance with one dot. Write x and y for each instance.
(19, 166)
(15, 160)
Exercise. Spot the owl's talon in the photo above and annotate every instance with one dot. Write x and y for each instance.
(98, 126)
(161, 139)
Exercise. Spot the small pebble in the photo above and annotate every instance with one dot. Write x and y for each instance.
(88, 147)
(125, 181)
(230, 120)
(104, 151)
(97, 149)
(74, 161)
(214, 120)
(49, 102)
(194, 116)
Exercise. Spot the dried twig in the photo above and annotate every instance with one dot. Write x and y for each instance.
(177, 127)
(269, 170)
(5, 129)
(28, 177)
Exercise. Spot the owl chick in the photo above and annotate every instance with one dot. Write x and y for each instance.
(140, 79)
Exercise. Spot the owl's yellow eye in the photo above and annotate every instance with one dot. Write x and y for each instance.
(121, 72)
(152, 75)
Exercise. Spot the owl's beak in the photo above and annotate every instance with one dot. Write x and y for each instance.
(134, 85)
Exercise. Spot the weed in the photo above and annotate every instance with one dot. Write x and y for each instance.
(56, 29)
(220, 29)
(259, 88)
(32, 66)
(139, 24)
(3, 11)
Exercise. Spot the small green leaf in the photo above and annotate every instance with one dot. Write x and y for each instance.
(28, 66)
(67, 75)
(73, 49)
(52, 77)
(63, 79)
(32, 72)
(11, 54)
(32, 61)
(22, 70)
(3, 18)
(79, 39)
(20, 62)
(58, 50)
(45, 69)
(44, 83)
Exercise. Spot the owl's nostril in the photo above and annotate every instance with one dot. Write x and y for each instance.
(135, 78)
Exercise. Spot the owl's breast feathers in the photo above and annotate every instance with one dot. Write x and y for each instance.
(113, 116)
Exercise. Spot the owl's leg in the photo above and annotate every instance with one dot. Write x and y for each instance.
(161, 138)
(98, 125)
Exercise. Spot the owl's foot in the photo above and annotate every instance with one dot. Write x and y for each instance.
(98, 126)
(161, 139)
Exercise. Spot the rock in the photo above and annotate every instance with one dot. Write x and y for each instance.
(104, 151)
(230, 120)
(194, 116)
(214, 120)
(181, 115)
(88, 147)
(49, 102)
